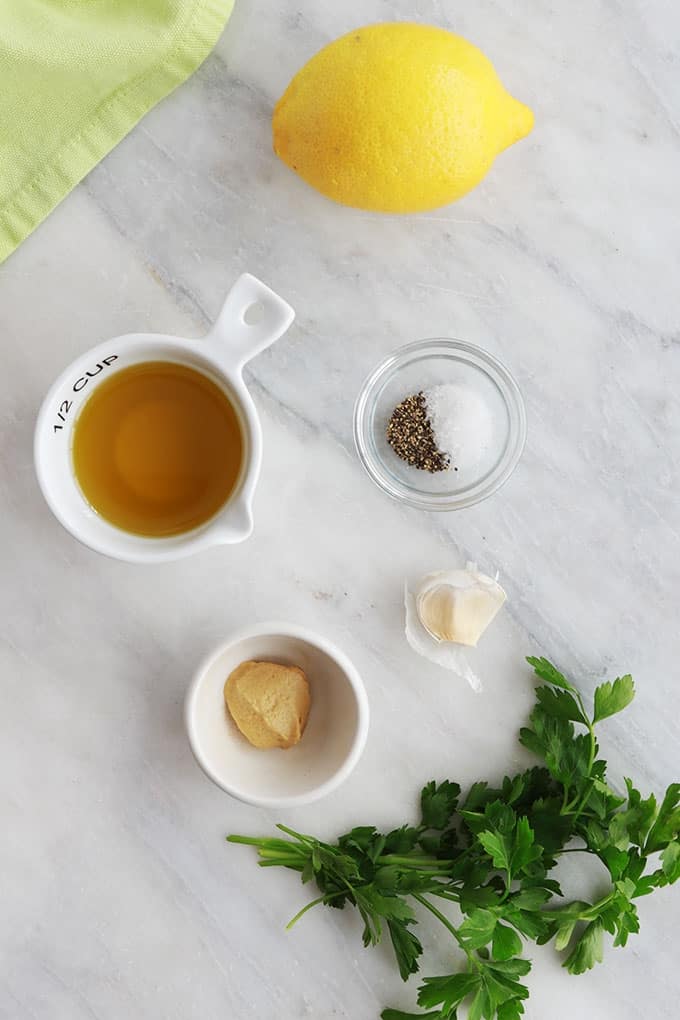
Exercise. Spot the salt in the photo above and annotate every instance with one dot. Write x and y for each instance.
(461, 422)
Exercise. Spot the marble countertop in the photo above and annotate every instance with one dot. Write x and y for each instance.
(120, 896)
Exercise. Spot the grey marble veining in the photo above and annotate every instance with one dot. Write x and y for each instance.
(119, 896)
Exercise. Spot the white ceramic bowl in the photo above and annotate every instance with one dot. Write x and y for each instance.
(333, 739)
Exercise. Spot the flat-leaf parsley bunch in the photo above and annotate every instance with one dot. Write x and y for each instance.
(492, 854)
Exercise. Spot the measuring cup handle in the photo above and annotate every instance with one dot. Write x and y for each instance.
(252, 318)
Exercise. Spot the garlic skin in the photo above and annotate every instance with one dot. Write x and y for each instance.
(458, 605)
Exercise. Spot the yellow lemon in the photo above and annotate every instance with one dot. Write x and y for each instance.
(396, 117)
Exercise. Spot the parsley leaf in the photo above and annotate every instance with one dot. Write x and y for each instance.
(478, 795)
(407, 948)
(567, 756)
(398, 1014)
(633, 824)
(498, 847)
(611, 698)
(438, 801)
(667, 824)
(511, 851)
(447, 992)
(506, 943)
(546, 671)
(588, 950)
(510, 1010)
(477, 929)
(670, 861)
(560, 704)
(401, 841)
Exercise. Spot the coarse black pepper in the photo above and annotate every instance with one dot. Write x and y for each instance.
(410, 435)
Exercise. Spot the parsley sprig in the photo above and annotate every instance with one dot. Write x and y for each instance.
(492, 855)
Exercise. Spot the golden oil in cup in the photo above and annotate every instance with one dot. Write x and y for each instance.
(157, 449)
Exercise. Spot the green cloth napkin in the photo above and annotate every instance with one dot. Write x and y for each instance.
(75, 77)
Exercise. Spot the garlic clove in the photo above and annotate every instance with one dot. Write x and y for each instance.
(444, 654)
(458, 605)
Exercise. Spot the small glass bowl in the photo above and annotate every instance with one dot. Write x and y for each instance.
(417, 367)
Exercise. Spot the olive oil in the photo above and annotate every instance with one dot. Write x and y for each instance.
(157, 449)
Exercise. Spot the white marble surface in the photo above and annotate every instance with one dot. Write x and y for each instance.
(119, 895)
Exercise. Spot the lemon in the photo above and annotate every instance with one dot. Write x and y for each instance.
(396, 117)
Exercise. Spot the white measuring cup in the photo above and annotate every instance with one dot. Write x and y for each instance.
(252, 318)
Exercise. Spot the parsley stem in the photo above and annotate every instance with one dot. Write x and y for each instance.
(313, 903)
(596, 908)
(274, 852)
(446, 894)
(580, 800)
(591, 732)
(250, 840)
(416, 861)
(307, 840)
(583, 801)
(447, 924)
(292, 863)
(301, 913)
(591, 912)
(270, 846)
